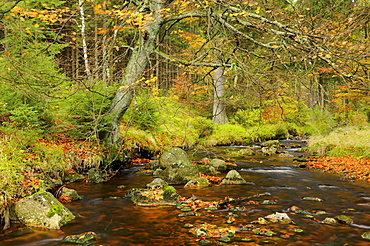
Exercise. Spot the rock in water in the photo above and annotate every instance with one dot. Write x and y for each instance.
(42, 209)
(174, 157)
(233, 178)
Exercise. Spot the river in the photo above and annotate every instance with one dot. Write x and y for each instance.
(105, 211)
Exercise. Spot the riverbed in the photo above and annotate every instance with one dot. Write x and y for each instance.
(117, 221)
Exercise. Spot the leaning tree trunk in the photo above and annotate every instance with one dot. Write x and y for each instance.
(219, 113)
(134, 71)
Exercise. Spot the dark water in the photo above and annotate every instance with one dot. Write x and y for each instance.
(118, 222)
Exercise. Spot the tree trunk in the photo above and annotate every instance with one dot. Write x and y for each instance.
(219, 113)
(134, 71)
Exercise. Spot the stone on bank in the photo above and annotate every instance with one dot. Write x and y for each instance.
(42, 210)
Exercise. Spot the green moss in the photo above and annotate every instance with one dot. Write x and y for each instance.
(169, 193)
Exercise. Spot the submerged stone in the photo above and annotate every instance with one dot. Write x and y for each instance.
(42, 210)
(233, 178)
(344, 219)
(278, 217)
(154, 197)
(366, 235)
(82, 238)
(197, 182)
(330, 221)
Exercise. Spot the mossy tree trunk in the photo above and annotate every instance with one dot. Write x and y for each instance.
(138, 62)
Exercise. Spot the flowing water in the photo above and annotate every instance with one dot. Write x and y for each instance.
(105, 211)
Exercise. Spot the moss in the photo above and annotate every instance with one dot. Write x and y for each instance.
(169, 193)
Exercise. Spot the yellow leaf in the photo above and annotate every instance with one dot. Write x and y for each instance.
(36, 25)
(258, 10)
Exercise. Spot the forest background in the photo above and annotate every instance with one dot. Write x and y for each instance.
(90, 83)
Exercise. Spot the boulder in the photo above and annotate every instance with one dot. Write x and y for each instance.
(197, 182)
(95, 175)
(269, 150)
(218, 164)
(271, 143)
(233, 178)
(179, 175)
(174, 157)
(246, 152)
(43, 210)
(156, 184)
(154, 197)
(69, 194)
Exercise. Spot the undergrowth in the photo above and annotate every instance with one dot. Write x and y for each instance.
(344, 141)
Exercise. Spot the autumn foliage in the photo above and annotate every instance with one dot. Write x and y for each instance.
(347, 166)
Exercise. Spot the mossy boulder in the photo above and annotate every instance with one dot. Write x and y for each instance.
(156, 184)
(197, 182)
(95, 175)
(43, 210)
(218, 164)
(174, 157)
(179, 175)
(246, 152)
(271, 143)
(233, 178)
(154, 197)
(269, 150)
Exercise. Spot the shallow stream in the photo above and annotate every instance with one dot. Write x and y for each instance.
(105, 211)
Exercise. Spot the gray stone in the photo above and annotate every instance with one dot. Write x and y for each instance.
(197, 182)
(269, 150)
(179, 175)
(174, 157)
(69, 193)
(246, 152)
(156, 184)
(218, 164)
(233, 178)
(42, 210)
(271, 143)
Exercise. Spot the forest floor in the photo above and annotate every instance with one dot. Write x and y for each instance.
(350, 168)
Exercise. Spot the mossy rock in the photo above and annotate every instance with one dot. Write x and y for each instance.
(95, 175)
(174, 157)
(154, 197)
(218, 164)
(69, 194)
(174, 175)
(198, 182)
(74, 177)
(233, 178)
(42, 210)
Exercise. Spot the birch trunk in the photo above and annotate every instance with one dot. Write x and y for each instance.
(83, 37)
